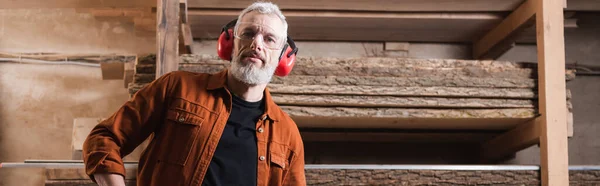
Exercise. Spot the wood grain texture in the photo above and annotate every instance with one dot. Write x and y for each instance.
(167, 36)
(554, 151)
(420, 177)
(501, 38)
(392, 5)
(447, 92)
(412, 137)
(406, 81)
(352, 26)
(522, 136)
(398, 102)
(400, 177)
(382, 67)
(408, 113)
(145, 68)
(383, 71)
(143, 78)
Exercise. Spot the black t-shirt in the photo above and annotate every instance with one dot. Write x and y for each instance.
(235, 159)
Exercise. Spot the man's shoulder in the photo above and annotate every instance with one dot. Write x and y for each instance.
(180, 82)
(187, 75)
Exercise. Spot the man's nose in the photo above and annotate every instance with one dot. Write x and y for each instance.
(257, 43)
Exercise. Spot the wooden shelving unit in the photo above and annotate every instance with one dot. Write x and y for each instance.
(491, 26)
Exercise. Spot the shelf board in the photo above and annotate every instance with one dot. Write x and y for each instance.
(362, 26)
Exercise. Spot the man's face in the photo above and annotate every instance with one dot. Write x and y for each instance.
(258, 42)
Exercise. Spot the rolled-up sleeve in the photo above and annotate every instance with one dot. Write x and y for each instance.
(124, 130)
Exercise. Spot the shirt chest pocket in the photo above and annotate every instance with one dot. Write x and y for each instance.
(180, 133)
(279, 157)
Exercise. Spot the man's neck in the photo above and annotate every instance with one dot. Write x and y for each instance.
(250, 93)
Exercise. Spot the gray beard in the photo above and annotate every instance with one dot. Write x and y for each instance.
(249, 74)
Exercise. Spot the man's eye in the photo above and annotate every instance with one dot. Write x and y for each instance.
(248, 34)
(271, 39)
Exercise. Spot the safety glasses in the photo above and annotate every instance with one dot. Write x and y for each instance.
(248, 32)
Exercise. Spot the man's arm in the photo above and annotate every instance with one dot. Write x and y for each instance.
(122, 132)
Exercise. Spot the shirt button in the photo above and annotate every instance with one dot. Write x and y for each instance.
(262, 158)
(181, 119)
(260, 130)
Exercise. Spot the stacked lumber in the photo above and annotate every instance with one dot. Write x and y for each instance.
(393, 92)
(383, 175)
(144, 73)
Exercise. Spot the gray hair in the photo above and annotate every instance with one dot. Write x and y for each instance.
(264, 8)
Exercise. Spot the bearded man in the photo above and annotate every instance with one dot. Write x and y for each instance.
(210, 129)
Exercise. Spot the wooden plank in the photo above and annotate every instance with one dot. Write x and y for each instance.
(167, 36)
(185, 39)
(145, 68)
(519, 138)
(364, 62)
(409, 113)
(185, 34)
(32, 4)
(551, 63)
(354, 26)
(393, 5)
(397, 102)
(384, 67)
(496, 42)
(384, 71)
(466, 82)
(183, 8)
(397, 46)
(407, 122)
(143, 78)
(340, 89)
(411, 137)
(112, 70)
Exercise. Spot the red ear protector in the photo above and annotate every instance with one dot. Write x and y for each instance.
(287, 58)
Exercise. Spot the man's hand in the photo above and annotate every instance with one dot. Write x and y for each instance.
(109, 179)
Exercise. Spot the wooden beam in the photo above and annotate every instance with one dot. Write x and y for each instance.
(185, 33)
(413, 137)
(551, 63)
(519, 138)
(183, 14)
(32, 4)
(167, 36)
(503, 36)
(185, 39)
(397, 46)
(128, 73)
(408, 122)
(393, 5)
(362, 26)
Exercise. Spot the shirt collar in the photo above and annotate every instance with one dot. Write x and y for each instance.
(219, 80)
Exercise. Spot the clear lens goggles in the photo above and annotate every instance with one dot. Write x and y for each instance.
(249, 32)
